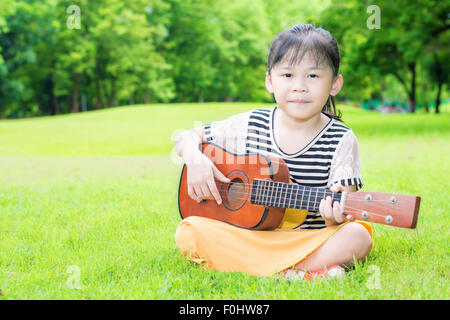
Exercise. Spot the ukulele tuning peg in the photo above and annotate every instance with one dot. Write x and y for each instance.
(393, 200)
(368, 197)
(389, 219)
(365, 215)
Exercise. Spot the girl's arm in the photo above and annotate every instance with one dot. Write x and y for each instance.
(187, 143)
(346, 165)
(344, 176)
(201, 172)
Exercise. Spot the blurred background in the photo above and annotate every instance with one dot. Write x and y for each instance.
(60, 57)
(92, 94)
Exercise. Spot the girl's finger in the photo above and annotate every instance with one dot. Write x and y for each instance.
(338, 216)
(321, 206)
(337, 188)
(205, 191)
(195, 194)
(198, 191)
(328, 211)
(191, 193)
(213, 189)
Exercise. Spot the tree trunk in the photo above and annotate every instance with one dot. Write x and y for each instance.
(438, 97)
(98, 102)
(403, 83)
(51, 90)
(112, 95)
(412, 93)
(55, 106)
(76, 84)
(147, 96)
(438, 71)
(98, 95)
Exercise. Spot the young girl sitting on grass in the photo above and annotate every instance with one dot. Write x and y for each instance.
(319, 150)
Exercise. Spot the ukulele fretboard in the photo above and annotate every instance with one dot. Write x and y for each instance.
(280, 194)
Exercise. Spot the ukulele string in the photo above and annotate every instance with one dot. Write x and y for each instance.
(371, 200)
(309, 203)
(276, 189)
(351, 210)
(289, 203)
(359, 211)
(355, 210)
(266, 195)
(283, 202)
(277, 161)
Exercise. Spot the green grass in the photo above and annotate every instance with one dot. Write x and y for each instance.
(98, 191)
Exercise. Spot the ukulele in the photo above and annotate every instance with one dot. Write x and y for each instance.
(259, 192)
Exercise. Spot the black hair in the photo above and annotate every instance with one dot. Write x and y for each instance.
(300, 40)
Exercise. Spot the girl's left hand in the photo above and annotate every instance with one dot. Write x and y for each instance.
(332, 213)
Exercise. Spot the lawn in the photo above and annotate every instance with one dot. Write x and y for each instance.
(88, 209)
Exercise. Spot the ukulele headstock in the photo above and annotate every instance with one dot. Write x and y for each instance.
(386, 208)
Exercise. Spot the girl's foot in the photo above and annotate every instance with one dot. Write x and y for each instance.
(290, 274)
(333, 272)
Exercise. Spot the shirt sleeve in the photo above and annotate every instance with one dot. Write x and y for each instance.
(230, 133)
(346, 166)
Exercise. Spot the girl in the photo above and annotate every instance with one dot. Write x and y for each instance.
(319, 150)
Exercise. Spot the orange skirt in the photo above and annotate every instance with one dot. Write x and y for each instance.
(224, 247)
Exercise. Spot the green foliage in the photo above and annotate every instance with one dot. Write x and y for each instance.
(112, 57)
(144, 51)
(410, 31)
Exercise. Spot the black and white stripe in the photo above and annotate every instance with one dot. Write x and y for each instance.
(207, 132)
(309, 166)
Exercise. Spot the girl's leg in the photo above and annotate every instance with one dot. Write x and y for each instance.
(351, 240)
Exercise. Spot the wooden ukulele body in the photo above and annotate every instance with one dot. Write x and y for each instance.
(259, 193)
(236, 207)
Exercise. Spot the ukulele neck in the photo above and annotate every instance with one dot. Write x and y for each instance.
(284, 195)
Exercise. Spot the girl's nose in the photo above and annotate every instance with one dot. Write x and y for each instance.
(299, 85)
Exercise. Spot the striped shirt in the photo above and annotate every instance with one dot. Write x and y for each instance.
(331, 157)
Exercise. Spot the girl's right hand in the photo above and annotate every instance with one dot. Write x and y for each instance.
(201, 176)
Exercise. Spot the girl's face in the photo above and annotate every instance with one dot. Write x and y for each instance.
(301, 91)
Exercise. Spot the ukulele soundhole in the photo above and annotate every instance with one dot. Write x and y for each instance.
(235, 193)
(236, 190)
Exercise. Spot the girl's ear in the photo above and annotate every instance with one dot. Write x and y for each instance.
(269, 83)
(337, 85)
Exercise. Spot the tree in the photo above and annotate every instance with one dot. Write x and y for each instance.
(437, 66)
(112, 57)
(407, 27)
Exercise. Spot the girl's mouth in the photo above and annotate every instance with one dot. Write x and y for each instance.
(299, 101)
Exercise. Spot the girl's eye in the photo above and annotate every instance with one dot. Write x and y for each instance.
(289, 75)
